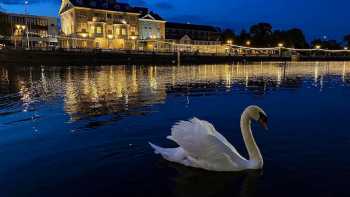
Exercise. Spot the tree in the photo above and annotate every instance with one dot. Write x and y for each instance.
(297, 39)
(261, 34)
(243, 37)
(229, 35)
(5, 27)
(347, 40)
(326, 44)
(293, 38)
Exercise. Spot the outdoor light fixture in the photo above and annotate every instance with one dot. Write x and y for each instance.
(280, 45)
(248, 43)
(20, 27)
(229, 42)
(346, 48)
(110, 36)
(84, 35)
(318, 46)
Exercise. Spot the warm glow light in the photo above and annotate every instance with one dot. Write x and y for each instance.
(280, 45)
(124, 21)
(346, 48)
(133, 37)
(248, 42)
(110, 36)
(318, 46)
(84, 35)
(20, 27)
(229, 41)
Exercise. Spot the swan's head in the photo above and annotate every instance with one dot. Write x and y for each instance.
(257, 114)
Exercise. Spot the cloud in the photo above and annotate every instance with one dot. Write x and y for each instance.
(164, 5)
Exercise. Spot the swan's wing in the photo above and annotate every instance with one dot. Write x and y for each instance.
(203, 143)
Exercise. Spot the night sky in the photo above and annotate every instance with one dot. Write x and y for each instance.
(317, 18)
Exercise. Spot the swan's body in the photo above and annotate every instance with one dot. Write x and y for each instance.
(201, 146)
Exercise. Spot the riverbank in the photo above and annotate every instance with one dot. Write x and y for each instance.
(129, 57)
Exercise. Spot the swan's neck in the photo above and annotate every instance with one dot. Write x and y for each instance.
(253, 150)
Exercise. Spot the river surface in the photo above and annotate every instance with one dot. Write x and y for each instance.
(84, 131)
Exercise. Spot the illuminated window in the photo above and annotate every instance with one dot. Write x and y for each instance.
(117, 31)
(92, 30)
(99, 30)
(123, 31)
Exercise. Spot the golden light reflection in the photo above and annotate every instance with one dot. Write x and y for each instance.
(96, 91)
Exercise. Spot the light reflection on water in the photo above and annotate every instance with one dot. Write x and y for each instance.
(90, 126)
(95, 91)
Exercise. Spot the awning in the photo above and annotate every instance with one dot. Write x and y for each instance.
(53, 40)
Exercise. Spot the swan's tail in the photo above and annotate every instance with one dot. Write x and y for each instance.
(157, 149)
(171, 154)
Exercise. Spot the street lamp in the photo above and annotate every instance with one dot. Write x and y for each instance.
(26, 5)
(19, 32)
(84, 35)
(280, 46)
(248, 43)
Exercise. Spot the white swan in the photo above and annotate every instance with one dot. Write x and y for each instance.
(201, 146)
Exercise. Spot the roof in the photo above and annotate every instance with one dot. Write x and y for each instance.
(26, 15)
(176, 36)
(110, 5)
(192, 27)
(145, 11)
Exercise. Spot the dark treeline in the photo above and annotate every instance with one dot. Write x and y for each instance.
(263, 35)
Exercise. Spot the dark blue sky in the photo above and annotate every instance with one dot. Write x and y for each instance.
(316, 17)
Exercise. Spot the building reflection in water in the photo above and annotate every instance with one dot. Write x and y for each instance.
(124, 90)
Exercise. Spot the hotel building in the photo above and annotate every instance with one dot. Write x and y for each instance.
(107, 24)
(28, 31)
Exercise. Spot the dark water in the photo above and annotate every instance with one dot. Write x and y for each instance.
(83, 131)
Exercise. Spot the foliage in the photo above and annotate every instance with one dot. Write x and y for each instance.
(243, 37)
(326, 44)
(347, 40)
(261, 34)
(5, 29)
(228, 35)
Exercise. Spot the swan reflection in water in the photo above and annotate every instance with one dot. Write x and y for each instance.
(196, 182)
